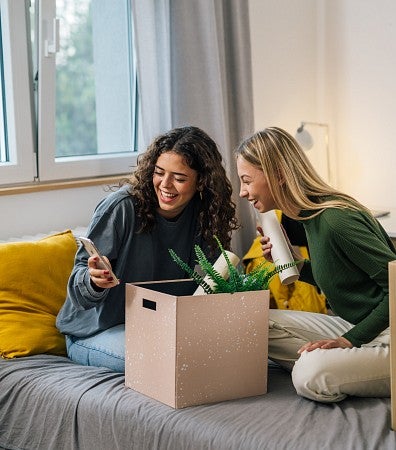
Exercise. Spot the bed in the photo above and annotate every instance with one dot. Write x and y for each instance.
(49, 402)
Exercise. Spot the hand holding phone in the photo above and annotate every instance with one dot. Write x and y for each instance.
(92, 250)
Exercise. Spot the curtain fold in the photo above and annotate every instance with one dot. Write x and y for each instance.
(194, 68)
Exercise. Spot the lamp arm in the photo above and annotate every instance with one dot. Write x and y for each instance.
(318, 124)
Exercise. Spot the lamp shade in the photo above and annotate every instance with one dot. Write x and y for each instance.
(319, 141)
(304, 138)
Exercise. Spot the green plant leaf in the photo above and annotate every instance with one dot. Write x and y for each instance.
(192, 273)
(238, 281)
(207, 267)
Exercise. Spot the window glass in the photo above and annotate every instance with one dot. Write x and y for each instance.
(3, 141)
(75, 81)
(17, 149)
(93, 78)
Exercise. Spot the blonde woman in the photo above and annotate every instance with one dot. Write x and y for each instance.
(331, 356)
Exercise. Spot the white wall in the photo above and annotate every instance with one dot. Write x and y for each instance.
(313, 60)
(332, 62)
(283, 39)
(41, 212)
(364, 74)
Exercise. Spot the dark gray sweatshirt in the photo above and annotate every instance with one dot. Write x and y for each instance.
(133, 256)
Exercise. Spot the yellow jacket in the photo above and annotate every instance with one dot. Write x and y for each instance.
(298, 295)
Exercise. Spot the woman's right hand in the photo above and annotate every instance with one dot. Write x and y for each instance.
(100, 278)
(266, 245)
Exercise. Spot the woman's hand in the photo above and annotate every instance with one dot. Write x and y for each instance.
(266, 247)
(100, 278)
(339, 342)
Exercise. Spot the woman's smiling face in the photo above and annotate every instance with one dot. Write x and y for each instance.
(175, 184)
(254, 186)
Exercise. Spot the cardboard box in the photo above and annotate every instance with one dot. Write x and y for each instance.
(188, 350)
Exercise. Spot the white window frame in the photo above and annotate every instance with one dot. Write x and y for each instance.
(31, 130)
(21, 166)
(50, 167)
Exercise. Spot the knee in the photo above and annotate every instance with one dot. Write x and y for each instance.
(314, 377)
(94, 352)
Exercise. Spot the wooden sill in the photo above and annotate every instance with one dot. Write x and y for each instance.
(64, 184)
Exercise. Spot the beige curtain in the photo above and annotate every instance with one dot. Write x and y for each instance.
(194, 68)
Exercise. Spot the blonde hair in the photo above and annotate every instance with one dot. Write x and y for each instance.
(293, 182)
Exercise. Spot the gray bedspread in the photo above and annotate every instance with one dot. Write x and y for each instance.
(48, 402)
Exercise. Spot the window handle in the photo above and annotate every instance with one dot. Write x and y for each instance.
(52, 47)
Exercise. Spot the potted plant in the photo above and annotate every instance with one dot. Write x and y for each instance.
(237, 281)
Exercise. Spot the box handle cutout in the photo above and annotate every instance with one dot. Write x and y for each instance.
(149, 304)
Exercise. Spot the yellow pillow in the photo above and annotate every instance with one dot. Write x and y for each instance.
(33, 286)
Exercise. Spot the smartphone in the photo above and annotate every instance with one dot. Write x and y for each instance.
(90, 247)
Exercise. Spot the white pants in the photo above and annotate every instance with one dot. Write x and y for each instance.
(328, 375)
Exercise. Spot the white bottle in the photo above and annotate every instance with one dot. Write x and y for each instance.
(280, 251)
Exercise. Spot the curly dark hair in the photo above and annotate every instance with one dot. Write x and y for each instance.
(200, 152)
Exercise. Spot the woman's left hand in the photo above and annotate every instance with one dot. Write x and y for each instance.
(339, 342)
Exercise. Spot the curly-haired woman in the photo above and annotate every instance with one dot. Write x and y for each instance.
(178, 196)
(331, 356)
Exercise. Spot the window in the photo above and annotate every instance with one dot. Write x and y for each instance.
(80, 79)
(3, 120)
(17, 163)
